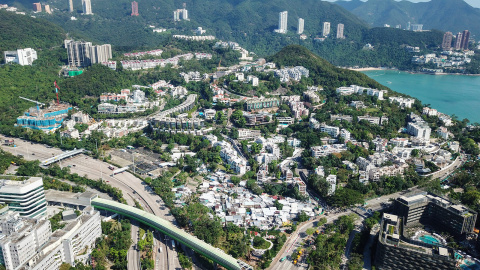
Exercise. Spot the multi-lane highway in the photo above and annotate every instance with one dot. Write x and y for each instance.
(131, 187)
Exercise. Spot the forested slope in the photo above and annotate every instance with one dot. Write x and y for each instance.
(445, 15)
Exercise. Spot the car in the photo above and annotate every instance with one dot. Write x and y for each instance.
(33, 154)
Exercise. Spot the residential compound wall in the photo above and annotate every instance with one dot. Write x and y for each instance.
(437, 211)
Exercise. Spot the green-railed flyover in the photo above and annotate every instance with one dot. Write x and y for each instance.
(167, 228)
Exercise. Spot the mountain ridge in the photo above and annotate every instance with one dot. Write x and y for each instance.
(445, 15)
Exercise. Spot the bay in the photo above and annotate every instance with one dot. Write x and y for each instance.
(449, 94)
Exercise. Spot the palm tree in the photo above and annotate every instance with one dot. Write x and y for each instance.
(116, 226)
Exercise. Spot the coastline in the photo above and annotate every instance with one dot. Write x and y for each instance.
(367, 69)
(408, 71)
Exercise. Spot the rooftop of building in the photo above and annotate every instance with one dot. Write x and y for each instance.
(81, 199)
(13, 180)
(444, 202)
(392, 234)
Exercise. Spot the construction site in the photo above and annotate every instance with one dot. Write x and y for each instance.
(48, 118)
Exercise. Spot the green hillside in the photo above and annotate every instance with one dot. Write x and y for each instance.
(248, 22)
(321, 71)
(22, 31)
(446, 15)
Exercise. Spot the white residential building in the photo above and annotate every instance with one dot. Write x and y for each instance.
(340, 29)
(245, 134)
(325, 150)
(230, 156)
(87, 7)
(253, 79)
(429, 111)
(330, 130)
(419, 130)
(138, 96)
(240, 76)
(332, 181)
(402, 102)
(443, 132)
(294, 142)
(29, 243)
(301, 23)
(23, 57)
(326, 29)
(209, 114)
(21, 238)
(399, 142)
(282, 22)
(345, 90)
(295, 73)
(320, 171)
(345, 134)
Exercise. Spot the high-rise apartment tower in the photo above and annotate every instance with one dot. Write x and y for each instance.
(282, 22)
(340, 28)
(37, 7)
(447, 41)
(458, 41)
(82, 54)
(326, 29)
(134, 8)
(465, 39)
(301, 23)
(87, 7)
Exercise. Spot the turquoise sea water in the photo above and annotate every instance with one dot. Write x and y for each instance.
(450, 94)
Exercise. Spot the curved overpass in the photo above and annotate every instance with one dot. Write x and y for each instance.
(175, 233)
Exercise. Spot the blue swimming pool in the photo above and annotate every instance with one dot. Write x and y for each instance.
(470, 266)
(429, 239)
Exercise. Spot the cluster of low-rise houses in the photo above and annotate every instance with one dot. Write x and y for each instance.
(229, 155)
(112, 128)
(355, 89)
(162, 88)
(12, 9)
(446, 59)
(157, 52)
(293, 73)
(152, 63)
(135, 102)
(246, 209)
(298, 108)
